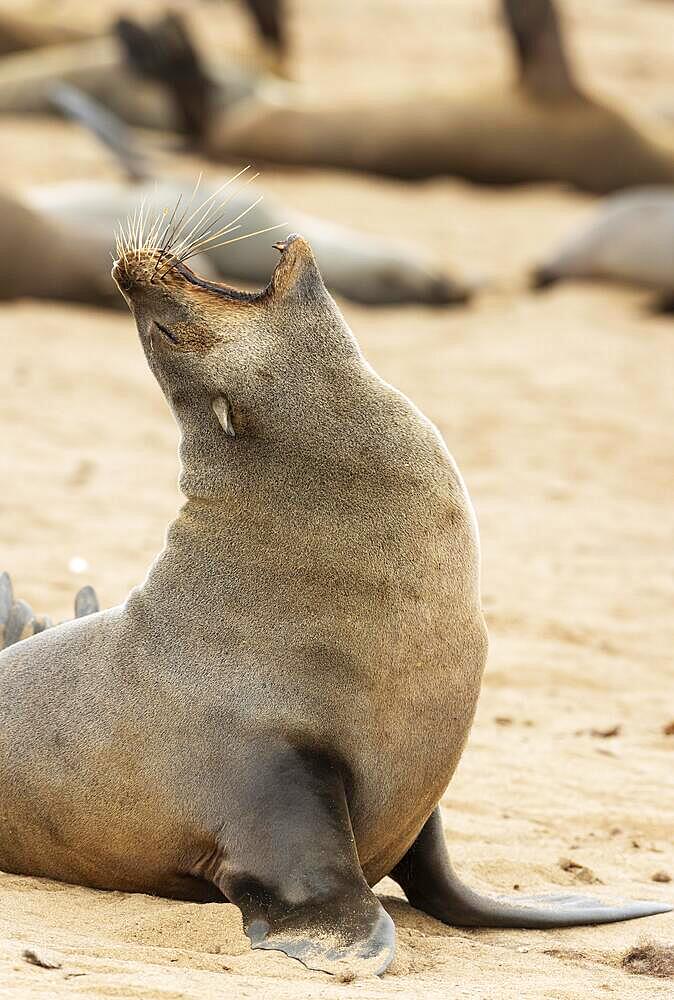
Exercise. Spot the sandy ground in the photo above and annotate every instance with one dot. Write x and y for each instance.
(559, 410)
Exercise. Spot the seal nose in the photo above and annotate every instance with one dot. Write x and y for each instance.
(134, 270)
(121, 276)
(297, 267)
(283, 245)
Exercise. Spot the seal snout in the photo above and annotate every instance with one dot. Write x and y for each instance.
(284, 245)
(131, 270)
(297, 265)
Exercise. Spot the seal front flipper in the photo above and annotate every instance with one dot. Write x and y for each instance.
(288, 860)
(431, 885)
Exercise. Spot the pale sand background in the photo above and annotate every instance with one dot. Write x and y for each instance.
(560, 412)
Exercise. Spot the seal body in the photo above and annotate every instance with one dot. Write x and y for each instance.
(499, 136)
(332, 588)
(48, 258)
(364, 268)
(629, 238)
(321, 638)
(21, 33)
(274, 713)
(98, 68)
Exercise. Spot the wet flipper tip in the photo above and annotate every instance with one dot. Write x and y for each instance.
(86, 602)
(431, 885)
(354, 940)
(304, 893)
(6, 597)
(540, 912)
(19, 623)
(42, 624)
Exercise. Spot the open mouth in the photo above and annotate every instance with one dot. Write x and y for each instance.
(138, 270)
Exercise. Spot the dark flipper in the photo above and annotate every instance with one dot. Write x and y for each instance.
(270, 20)
(289, 862)
(430, 884)
(86, 602)
(42, 624)
(20, 624)
(106, 126)
(165, 52)
(539, 47)
(6, 602)
(664, 304)
(543, 277)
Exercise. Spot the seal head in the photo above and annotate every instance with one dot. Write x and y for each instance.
(234, 365)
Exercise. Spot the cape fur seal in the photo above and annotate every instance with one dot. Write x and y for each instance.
(49, 259)
(629, 238)
(543, 127)
(55, 242)
(273, 715)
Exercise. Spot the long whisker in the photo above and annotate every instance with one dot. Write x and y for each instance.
(204, 207)
(210, 220)
(246, 236)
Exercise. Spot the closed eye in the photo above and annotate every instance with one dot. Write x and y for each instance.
(167, 333)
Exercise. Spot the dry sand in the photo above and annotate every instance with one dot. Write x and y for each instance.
(560, 412)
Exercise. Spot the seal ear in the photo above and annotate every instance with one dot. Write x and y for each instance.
(539, 47)
(223, 412)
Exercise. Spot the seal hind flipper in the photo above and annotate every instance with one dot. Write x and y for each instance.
(86, 602)
(42, 624)
(269, 17)
(20, 623)
(289, 862)
(430, 884)
(539, 46)
(106, 126)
